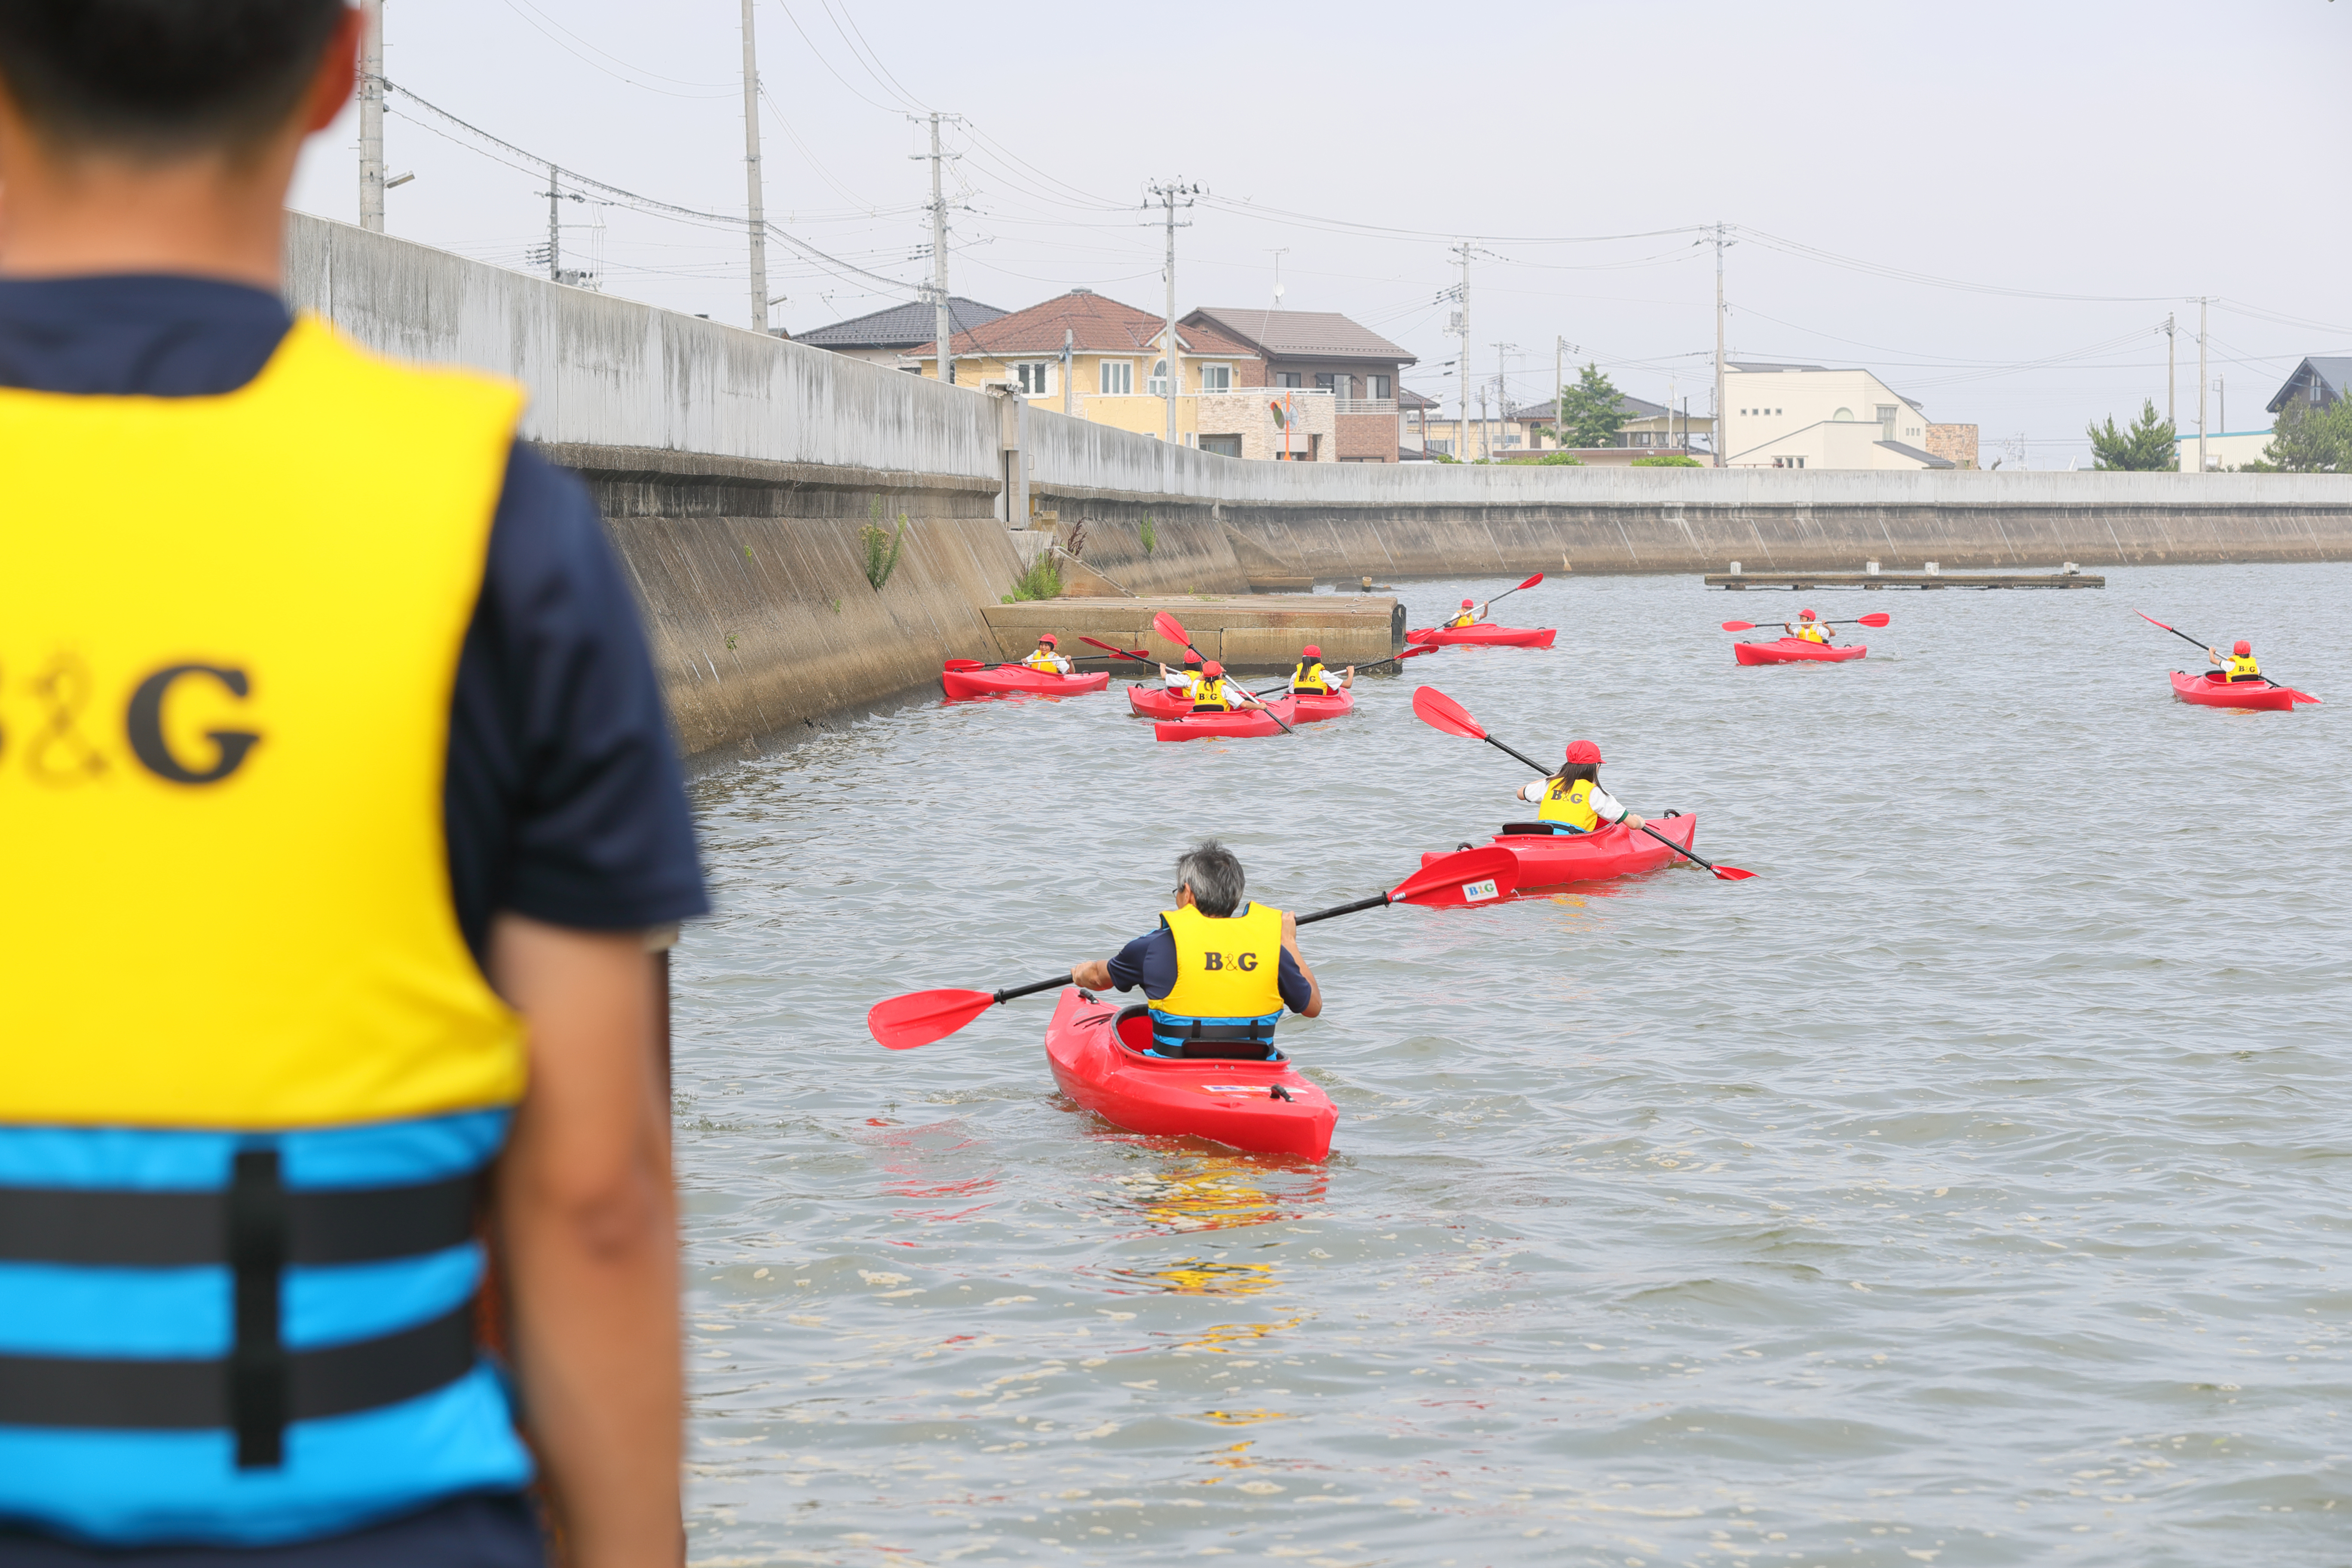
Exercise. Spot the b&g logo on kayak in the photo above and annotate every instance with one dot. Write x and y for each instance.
(1247, 963)
(176, 723)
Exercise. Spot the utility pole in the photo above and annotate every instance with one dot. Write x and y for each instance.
(941, 324)
(554, 226)
(759, 219)
(1168, 196)
(1461, 326)
(1721, 442)
(1502, 392)
(372, 118)
(2201, 303)
(1484, 440)
(2171, 377)
(2221, 403)
(1558, 426)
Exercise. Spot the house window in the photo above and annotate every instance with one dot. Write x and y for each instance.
(1158, 386)
(1223, 446)
(1379, 386)
(1787, 462)
(1217, 378)
(1641, 438)
(1030, 376)
(1445, 447)
(1287, 378)
(1118, 377)
(1842, 414)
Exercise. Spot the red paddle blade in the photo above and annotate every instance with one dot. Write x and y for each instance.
(2151, 620)
(1440, 711)
(963, 664)
(1169, 626)
(1739, 626)
(1724, 873)
(1877, 620)
(2301, 695)
(1104, 645)
(918, 1018)
(1530, 581)
(1414, 652)
(1464, 877)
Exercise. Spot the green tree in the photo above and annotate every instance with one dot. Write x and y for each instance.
(2308, 440)
(1591, 412)
(2146, 447)
(1666, 461)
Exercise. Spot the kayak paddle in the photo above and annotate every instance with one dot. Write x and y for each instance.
(1465, 876)
(1413, 652)
(1169, 626)
(1136, 654)
(1440, 711)
(1877, 620)
(1508, 592)
(2207, 647)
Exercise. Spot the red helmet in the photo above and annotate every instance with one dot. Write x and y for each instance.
(1048, 641)
(1310, 651)
(1212, 670)
(1805, 614)
(1467, 603)
(1191, 657)
(2243, 650)
(1584, 752)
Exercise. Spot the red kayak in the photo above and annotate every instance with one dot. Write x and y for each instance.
(2209, 692)
(1009, 677)
(1100, 1057)
(1307, 708)
(1159, 702)
(1794, 650)
(1548, 859)
(1239, 723)
(1484, 633)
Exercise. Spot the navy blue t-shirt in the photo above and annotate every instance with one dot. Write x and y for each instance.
(563, 800)
(1149, 961)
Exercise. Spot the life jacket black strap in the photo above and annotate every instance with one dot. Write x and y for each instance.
(259, 1230)
(110, 1227)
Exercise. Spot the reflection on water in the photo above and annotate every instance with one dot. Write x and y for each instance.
(1967, 1189)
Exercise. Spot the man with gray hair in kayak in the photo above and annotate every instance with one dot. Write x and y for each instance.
(1218, 972)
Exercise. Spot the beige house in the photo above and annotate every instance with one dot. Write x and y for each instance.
(1811, 417)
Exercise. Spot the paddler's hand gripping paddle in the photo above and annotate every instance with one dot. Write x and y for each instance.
(1169, 626)
(1879, 620)
(1440, 711)
(1465, 876)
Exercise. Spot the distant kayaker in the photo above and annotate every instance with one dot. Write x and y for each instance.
(1311, 680)
(1182, 680)
(1219, 971)
(1571, 800)
(1807, 627)
(2240, 665)
(1472, 613)
(1215, 694)
(1046, 657)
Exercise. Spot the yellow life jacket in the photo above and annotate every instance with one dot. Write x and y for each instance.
(1210, 696)
(1311, 678)
(1044, 661)
(244, 1031)
(1228, 975)
(1466, 618)
(1813, 631)
(2240, 668)
(1569, 807)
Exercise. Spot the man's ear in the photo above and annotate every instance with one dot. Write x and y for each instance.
(338, 73)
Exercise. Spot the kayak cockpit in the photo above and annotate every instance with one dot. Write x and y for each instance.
(1133, 1030)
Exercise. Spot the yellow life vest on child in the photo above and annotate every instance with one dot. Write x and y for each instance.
(1570, 807)
(1311, 679)
(2241, 668)
(1466, 618)
(1813, 631)
(1041, 660)
(1210, 696)
(1228, 975)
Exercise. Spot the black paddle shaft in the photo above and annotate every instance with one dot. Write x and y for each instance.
(1032, 989)
(1645, 826)
(1374, 902)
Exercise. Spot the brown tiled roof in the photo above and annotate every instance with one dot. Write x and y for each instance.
(1097, 324)
(1300, 334)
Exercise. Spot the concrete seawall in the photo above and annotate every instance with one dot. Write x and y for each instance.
(738, 473)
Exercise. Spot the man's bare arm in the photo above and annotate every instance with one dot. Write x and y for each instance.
(588, 1238)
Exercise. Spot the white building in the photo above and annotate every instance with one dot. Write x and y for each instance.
(2224, 450)
(1810, 417)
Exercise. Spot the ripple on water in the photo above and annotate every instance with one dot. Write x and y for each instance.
(1970, 1188)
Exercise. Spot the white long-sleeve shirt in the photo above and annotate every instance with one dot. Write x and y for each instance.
(1604, 806)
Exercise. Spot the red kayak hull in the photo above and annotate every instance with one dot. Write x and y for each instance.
(1239, 725)
(1550, 859)
(1485, 634)
(1226, 1102)
(1008, 678)
(1159, 702)
(1795, 650)
(2208, 692)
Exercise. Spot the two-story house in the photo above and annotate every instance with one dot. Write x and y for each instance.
(1813, 416)
(1323, 352)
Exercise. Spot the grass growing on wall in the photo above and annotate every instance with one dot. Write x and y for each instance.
(882, 546)
(1042, 580)
(1148, 534)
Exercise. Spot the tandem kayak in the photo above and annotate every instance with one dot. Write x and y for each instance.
(1548, 859)
(1794, 650)
(1485, 634)
(1239, 723)
(1010, 678)
(1098, 1057)
(2208, 692)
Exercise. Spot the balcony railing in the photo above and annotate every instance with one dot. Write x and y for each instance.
(1367, 405)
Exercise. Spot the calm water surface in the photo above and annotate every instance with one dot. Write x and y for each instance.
(1970, 1188)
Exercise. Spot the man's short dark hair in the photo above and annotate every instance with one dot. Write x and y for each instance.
(1214, 873)
(160, 77)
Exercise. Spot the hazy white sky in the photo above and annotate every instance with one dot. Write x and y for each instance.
(2133, 154)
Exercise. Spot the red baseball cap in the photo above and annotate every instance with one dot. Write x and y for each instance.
(1467, 603)
(1048, 641)
(1213, 668)
(1310, 651)
(1584, 752)
(1805, 615)
(1191, 657)
(2244, 650)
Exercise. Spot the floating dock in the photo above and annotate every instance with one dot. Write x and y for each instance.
(1905, 580)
